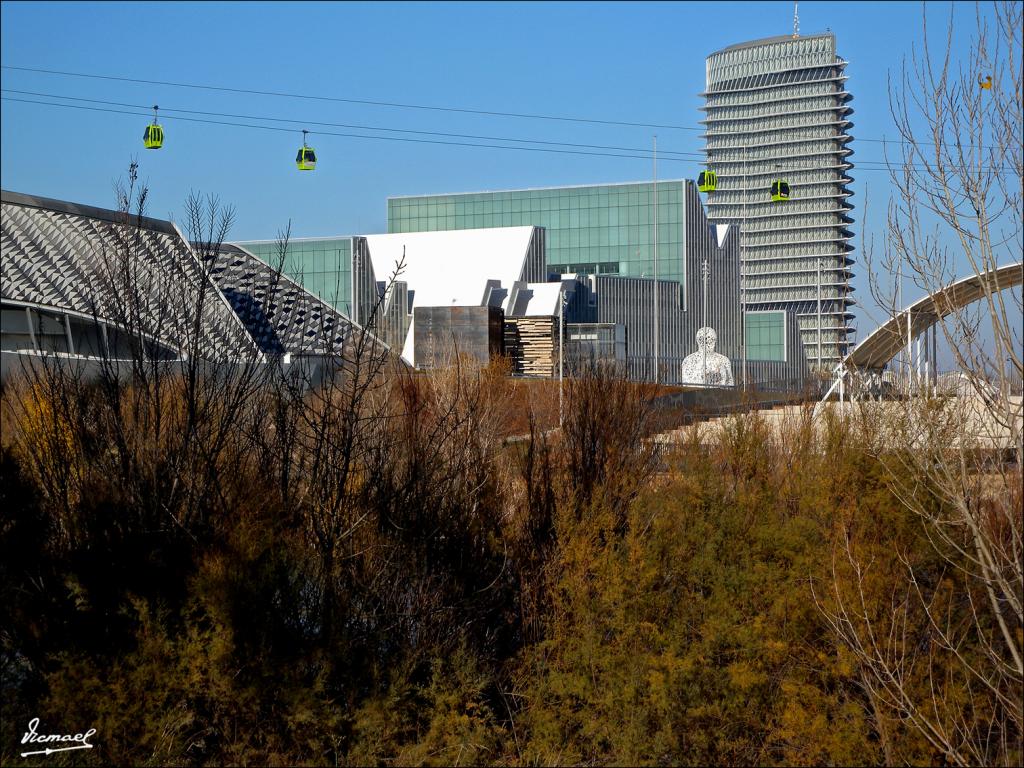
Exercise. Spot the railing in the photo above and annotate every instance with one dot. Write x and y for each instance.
(684, 408)
(902, 384)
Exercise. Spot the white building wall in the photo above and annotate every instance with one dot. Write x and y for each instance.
(446, 268)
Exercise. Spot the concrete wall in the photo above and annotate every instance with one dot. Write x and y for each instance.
(442, 332)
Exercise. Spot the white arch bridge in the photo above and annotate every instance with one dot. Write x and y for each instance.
(897, 334)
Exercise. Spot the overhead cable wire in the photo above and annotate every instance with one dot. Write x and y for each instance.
(350, 125)
(345, 135)
(695, 158)
(256, 92)
(313, 97)
(865, 165)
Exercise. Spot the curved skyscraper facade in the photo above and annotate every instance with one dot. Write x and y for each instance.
(776, 109)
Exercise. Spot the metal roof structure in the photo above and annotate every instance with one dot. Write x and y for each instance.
(775, 39)
(280, 315)
(136, 273)
(142, 275)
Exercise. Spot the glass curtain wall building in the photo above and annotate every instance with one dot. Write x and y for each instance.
(607, 231)
(777, 109)
(766, 335)
(601, 229)
(322, 265)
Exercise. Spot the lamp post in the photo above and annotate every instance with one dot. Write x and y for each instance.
(743, 292)
(561, 337)
(655, 155)
(704, 347)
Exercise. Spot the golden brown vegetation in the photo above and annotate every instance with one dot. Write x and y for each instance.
(387, 580)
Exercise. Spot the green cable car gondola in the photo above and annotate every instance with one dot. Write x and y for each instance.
(780, 191)
(305, 160)
(707, 181)
(153, 138)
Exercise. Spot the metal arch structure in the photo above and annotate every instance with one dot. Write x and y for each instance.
(885, 342)
(888, 339)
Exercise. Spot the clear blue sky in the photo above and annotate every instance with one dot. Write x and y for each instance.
(636, 62)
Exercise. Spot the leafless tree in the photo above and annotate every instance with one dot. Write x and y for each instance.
(950, 665)
(155, 404)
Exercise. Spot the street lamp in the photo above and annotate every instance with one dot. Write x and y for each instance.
(743, 292)
(561, 343)
(705, 271)
(656, 334)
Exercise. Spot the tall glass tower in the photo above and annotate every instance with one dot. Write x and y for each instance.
(776, 110)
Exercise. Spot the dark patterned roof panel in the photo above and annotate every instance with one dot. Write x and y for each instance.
(119, 269)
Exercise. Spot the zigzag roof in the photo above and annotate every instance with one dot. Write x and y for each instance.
(136, 273)
(143, 274)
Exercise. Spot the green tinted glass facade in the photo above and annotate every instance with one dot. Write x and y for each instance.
(603, 229)
(323, 266)
(766, 335)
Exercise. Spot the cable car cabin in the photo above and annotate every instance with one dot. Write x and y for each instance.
(305, 160)
(707, 181)
(153, 138)
(780, 191)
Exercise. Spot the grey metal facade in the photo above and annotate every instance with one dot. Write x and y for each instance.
(595, 341)
(442, 332)
(777, 109)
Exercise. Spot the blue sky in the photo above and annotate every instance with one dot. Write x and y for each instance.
(633, 62)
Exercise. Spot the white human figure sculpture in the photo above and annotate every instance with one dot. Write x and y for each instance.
(705, 366)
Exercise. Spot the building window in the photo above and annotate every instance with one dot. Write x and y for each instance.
(766, 335)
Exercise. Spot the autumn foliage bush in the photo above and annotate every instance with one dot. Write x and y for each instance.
(212, 574)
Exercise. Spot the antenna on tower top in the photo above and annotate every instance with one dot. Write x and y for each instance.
(796, 19)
